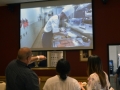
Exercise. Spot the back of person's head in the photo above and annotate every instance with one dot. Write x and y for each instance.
(95, 66)
(24, 53)
(63, 68)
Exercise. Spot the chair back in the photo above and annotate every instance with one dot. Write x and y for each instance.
(2, 85)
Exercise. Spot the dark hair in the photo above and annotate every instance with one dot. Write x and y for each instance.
(95, 66)
(63, 68)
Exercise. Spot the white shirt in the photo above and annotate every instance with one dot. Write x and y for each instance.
(94, 82)
(52, 24)
(55, 83)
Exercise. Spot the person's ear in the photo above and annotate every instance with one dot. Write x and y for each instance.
(27, 57)
(28, 60)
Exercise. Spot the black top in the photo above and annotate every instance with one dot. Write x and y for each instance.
(118, 70)
(20, 77)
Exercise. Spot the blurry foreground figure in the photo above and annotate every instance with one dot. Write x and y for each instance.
(18, 75)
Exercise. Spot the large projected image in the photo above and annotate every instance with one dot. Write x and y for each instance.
(57, 27)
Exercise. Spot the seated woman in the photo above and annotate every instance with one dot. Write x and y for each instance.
(98, 79)
(62, 81)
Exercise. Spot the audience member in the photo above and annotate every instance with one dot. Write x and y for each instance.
(98, 79)
(62, 81)
(18, 75)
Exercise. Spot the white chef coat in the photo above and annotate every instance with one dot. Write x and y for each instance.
(52, 24)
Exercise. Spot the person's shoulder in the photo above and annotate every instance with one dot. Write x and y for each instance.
(12, 63)
(55, 17)
(93, 76)
(52, 78)
(73, 82)
(72, 79)
(105, 73)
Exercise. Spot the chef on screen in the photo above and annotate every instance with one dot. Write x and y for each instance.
(54, 24)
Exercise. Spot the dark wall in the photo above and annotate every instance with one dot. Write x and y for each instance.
(9, 35)
(106, 31)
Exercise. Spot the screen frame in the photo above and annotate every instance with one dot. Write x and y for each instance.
(54, 3)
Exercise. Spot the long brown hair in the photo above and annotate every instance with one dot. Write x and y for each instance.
(95, 66)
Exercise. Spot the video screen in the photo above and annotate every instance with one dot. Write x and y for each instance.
(61, 27)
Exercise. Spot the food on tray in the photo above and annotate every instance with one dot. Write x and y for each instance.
(69, 44)
(63, 41)
(61, 45)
